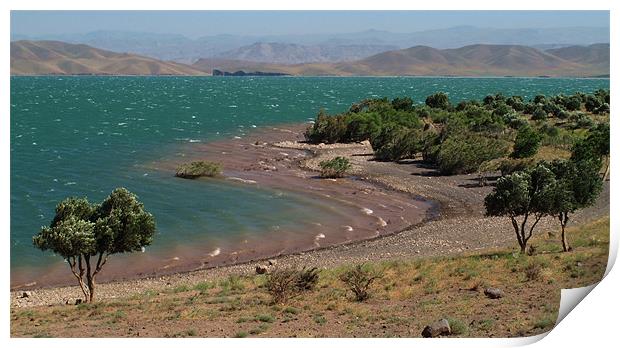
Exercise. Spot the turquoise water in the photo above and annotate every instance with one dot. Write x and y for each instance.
(84, 136)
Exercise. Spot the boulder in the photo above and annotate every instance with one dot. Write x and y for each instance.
(26, 294)
(272, 262)
(438, 328)
(260, 269)
(494, 293)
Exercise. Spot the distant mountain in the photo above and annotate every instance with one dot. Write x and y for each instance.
(597, 54)
(469, 35)
(472, 60)
(60, 58)
(283, 53)
(182, 49)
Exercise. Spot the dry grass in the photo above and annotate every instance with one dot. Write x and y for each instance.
(409, 295)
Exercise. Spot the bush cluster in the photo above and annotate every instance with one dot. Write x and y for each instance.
(458, 138)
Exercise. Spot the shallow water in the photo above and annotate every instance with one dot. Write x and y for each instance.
(84, 136)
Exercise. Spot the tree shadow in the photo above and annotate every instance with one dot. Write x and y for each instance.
(490, 181)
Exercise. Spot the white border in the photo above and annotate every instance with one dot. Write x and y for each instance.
(592, 322)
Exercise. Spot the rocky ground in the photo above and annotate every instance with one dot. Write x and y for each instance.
(458, 227)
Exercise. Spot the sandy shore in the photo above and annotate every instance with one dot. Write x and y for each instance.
(428, 215)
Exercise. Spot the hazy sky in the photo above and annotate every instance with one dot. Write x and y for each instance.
(200, 23)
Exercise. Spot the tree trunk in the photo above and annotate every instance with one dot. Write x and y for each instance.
(520, 236)
(89, 279)
(91, 286)
(564, 222)
(79, 276)
(607, 160)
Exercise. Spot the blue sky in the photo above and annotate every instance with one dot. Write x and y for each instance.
(200, 23)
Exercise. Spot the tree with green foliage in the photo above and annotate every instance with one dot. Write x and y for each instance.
(87, 234)
(598, 139)
(594, 148)
(527, 143)
(523, 195)
(438, 100)
(577, 186)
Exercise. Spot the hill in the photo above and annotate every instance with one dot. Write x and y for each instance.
(60, 58)
(473, 60)
(55, 57)
(597, 54)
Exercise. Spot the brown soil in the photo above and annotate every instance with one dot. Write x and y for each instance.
(410, 293)
(392, 191)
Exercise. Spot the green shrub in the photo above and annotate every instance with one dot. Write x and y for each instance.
(572, 103)
(363, 126)
(327, 129)
(335, 167)
(464, 154)
(438, 100)
(581, 120)
(458, 327)
(404, 104)
(307, 278)
(527, 143)
(515, 121)
(197, 169)
(539, 114)
(395, 143)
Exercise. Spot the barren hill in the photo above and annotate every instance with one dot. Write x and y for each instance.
(60, 58)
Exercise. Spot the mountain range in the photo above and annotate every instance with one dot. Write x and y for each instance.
(286, 53)
(472, 60)
(334, 47)
(53, 57)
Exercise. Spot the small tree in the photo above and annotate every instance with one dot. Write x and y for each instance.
(527, 143)
(87, 234)
(522, 194)
(577, 186)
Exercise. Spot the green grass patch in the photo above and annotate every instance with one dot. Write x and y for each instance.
(265, 318)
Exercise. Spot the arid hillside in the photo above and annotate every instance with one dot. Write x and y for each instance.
(59, 58)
